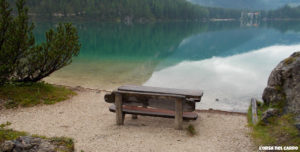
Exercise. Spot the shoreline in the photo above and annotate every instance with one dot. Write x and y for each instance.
(209, 110)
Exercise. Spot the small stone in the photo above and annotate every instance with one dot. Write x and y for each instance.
(268, 114)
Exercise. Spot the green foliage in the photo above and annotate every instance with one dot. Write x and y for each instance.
(279, 131)
(9, 134)
(63, 141)
(60, 46)
(24, 61)
(285, 12)
(5, 31)
(30, 94)
(16, 41)
(191, 130)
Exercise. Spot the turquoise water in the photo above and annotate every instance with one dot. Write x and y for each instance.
(230, 62)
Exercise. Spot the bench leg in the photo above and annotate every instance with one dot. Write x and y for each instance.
(123, 118)
(134, 116)
(119, 109)
(178, 114)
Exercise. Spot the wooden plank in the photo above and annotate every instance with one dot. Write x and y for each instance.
(148, 101)
(150, 94)
(254, 111)
(184, 92)
(178, 114)
(154, 112)
(119, 111)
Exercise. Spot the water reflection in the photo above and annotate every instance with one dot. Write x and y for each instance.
(229, 62)
(231, 80)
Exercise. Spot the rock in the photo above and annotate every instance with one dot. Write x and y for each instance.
(297, 124)
(46, 147)
(268, 114)
(28, 144)
(284, 85)
(78, 88)
(7, 146)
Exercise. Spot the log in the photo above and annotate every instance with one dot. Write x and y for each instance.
(152, 101)
(254, 111)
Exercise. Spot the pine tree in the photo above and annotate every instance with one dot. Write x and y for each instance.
(6, 23)
(24, 61)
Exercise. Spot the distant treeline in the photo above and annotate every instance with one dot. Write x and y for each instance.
(127, 10)
(142, 10)
(285, 12)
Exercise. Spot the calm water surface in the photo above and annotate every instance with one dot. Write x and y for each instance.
(230, 62)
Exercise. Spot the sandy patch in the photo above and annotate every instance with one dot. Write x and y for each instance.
(86, 118)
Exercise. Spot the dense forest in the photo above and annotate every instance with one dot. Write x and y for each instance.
(142, 10)
(285, 12)
(127, 10)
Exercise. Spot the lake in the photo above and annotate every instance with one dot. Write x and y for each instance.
(230, 62)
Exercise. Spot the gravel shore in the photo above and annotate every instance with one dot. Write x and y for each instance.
(86, 119)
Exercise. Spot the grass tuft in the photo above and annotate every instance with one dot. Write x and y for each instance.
(191, 130)
(63, 142)
(279, 131)
(31, 94)
(9, 134)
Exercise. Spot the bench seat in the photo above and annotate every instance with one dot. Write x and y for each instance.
(154, 112)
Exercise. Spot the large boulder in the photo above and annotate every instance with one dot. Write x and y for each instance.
(33, 144)
(284, 86)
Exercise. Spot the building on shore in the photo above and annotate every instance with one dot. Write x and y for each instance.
(250, 18)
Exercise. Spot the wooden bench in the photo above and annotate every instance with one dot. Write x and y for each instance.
(153, 101)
